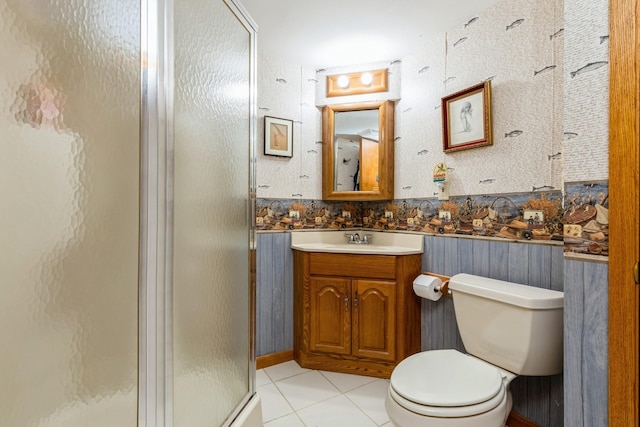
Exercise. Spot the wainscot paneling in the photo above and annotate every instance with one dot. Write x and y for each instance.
(274, 293)
(539, 399)
(586, 299)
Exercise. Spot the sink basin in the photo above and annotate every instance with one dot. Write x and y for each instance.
(382, 243)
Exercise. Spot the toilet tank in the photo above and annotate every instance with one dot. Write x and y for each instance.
(513, 326)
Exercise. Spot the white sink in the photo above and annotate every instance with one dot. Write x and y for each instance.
(381, 243)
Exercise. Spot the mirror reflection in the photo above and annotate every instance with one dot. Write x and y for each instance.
(357, 154)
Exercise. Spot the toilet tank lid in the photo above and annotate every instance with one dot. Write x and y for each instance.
(508, 292)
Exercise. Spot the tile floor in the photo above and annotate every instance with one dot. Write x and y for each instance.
(296, 397)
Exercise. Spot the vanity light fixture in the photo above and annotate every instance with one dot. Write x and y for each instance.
(358, 83)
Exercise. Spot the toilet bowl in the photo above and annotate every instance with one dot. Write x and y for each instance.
(457, 390)
(507, 329)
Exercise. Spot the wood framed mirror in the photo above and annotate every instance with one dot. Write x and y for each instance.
(357, 151)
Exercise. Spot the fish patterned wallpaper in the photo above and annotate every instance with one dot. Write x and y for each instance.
(586, 91)
(288, 91)
(549, 76)
(510, 45)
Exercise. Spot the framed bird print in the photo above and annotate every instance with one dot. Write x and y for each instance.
(466, 118)
(278, 137)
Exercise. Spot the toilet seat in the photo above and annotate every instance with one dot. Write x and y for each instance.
(446, 383)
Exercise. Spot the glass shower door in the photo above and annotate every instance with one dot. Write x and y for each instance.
(69, 186)
(211, 240)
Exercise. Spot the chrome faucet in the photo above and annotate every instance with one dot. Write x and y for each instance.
(354, 239)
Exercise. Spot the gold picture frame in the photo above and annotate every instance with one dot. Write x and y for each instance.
(278, 137)
(466, 118)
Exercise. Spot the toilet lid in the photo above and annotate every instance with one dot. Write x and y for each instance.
(446, 378)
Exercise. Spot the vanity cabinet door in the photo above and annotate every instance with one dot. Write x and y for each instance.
(330, 315)
(374, 314)
(355, 313)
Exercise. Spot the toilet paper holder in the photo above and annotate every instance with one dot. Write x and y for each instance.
(444, 288)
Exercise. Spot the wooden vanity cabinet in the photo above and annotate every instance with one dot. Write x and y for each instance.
(355, 313)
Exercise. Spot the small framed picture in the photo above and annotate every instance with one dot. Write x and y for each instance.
(534, 218)
(466, 118)
(278, 137)
(444, 216)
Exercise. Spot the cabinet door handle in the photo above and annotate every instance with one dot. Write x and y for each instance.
(346, 303)
(355, 301)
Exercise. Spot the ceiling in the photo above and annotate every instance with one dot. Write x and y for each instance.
(330, 33)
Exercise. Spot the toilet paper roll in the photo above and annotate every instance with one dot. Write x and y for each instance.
(425, 287)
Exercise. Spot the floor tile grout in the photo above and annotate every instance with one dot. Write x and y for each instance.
(334, 392)
(304, 407)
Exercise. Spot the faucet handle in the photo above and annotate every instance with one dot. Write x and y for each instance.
(366, 238)
(351, 237)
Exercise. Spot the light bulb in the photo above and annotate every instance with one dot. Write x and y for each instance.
(343, 81)
(366, 79)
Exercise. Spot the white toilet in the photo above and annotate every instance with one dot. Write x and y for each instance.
(507, 329)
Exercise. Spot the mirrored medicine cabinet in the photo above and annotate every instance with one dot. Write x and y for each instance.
(357, 151)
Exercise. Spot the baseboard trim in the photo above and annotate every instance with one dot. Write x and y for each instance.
(273, 359)
(516, 420)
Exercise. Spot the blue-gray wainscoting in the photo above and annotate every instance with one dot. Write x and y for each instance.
(274, 293)
(586, 320)
(583, 402)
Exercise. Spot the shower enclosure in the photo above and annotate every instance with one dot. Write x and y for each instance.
(126, 169)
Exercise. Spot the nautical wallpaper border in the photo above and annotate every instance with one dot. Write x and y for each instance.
(579, 218)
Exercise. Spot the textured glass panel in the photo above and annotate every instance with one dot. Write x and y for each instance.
(211, 239)
(69, 138)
